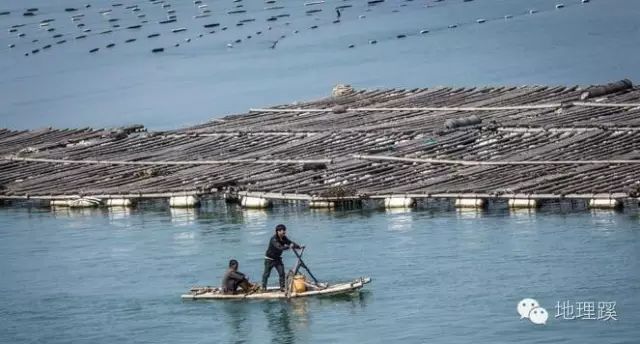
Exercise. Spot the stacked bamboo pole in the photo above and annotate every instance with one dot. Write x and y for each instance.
(534, 142)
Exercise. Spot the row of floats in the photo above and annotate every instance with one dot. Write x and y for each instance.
(252, 202)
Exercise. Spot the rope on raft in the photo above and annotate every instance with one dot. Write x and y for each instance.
(463, 108)
(164, 163)
(489, 163)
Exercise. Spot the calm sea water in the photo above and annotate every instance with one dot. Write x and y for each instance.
(66, 86)
(452, 277)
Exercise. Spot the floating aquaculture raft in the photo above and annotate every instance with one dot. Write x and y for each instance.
(211, 293)
(524, 143)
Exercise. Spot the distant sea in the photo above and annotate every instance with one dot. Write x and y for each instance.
(66, 86)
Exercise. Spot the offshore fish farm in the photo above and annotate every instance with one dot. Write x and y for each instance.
(522, 145)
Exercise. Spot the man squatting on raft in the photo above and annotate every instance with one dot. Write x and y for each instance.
(273, 258)
(234, 279)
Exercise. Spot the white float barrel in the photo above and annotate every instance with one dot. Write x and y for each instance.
(470, 203)
(183, 201)
(119, 202)
(59, 203)
(599, 203)
(523, 203)
(398, 202)
(321, 204)
(254, 202)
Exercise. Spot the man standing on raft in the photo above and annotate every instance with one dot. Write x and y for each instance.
(273, 258)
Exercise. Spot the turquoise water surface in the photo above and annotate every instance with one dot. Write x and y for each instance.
(103, 276)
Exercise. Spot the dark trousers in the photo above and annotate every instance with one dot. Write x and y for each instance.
(244, 285)
(270, 264)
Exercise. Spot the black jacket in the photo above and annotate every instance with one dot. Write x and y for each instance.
(231, 280)
(276, 246)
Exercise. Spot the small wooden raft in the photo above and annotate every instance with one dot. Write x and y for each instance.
(213, 293)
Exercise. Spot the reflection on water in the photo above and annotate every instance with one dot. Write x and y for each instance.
(183, 216)
(356, 301)
(399, 210)
(286, 321)
(75, 212)
(119, 213)
(184, 236)
(237, 316)
(523, 215)
(605, 220)
(401, 220)
(523, 212)
(469, 213)
(255, 218)
(321, 210)
(604, 213)
(300, 308)
(279, 322)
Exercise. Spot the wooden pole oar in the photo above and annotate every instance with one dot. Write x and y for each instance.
(300, 264)
(303, 265)
(292, 273)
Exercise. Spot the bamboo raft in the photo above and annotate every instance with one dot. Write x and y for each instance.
(530, 142)
(213, 293)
